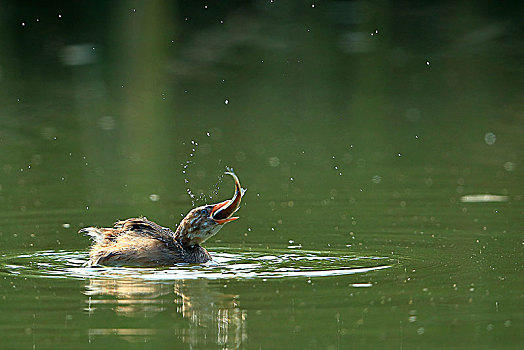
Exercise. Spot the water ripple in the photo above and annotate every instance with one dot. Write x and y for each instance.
(227, 264)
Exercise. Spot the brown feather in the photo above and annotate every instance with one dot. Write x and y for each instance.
(141, 242)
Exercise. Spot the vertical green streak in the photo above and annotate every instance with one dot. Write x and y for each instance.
(143, 38)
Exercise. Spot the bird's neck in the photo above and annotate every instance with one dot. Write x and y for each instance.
(195, 253)
(183, 235)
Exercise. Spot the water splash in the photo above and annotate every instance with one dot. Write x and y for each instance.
(185, 167)
(200, 198)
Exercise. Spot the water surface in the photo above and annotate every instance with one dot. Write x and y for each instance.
(381, 145)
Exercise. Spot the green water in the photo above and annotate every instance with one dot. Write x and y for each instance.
(365, 158)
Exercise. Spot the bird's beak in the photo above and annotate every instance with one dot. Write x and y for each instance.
(222, 212)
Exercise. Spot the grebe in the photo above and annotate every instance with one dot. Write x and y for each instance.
(140, 242)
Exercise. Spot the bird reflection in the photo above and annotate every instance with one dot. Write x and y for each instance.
(210, 315)
(131, 297)
(205, 308)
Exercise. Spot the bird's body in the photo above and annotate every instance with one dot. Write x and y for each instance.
(140, 242)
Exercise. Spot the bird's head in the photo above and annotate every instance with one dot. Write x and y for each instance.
(205, 221)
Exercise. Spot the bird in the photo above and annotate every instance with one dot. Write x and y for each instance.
(141, 242)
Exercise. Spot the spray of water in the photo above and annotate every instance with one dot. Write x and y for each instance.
(199, 198)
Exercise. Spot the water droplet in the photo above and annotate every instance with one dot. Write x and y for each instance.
(490, 138)
(509, 166)
(274, 161)
(107, 123)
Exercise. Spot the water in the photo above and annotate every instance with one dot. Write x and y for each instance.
(385, 197)
(239, 266)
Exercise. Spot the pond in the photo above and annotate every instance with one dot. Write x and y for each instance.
(381, 147)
